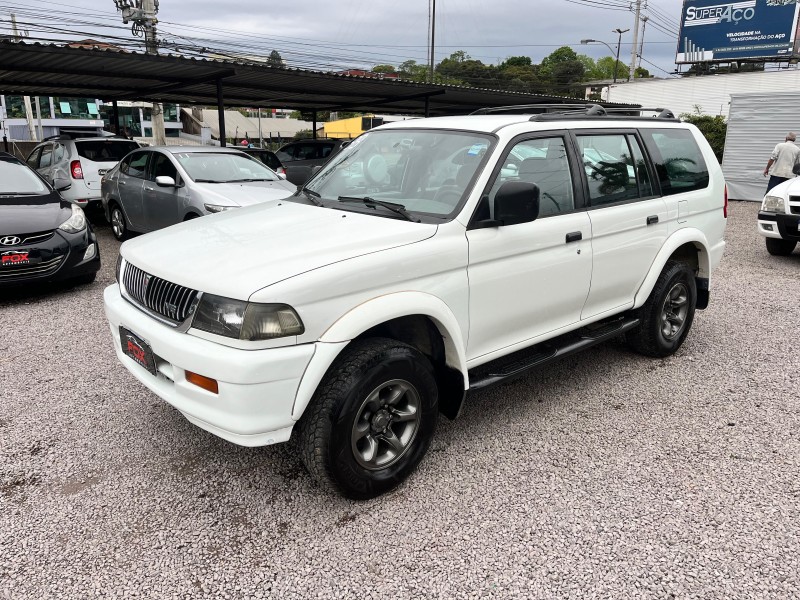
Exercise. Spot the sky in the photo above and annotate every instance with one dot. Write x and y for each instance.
(361, 33)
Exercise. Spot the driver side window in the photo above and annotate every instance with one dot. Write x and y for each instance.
(542, 161)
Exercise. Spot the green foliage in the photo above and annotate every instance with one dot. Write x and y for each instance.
(383, 69)
(713, 128)
(641, 73)
(303, 134)
(275, 59)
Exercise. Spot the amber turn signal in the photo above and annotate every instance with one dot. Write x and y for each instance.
(206, 383)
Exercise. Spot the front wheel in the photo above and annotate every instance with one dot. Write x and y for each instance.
(666, 317)
(778, 247)
(371, 419)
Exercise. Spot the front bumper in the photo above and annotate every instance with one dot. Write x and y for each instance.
(780, 226)
(61, 257)
(257, 388)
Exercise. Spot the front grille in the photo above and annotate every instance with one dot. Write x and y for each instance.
(162, 297)
(26, 239)
(794, 209)
(35, 270)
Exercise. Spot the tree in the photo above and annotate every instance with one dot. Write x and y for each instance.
(383, 69)
(412, 71)
(641, 73)
(713, 128)
(275, 60)
(605, 69)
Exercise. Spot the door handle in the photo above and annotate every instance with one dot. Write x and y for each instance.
(149, 189)
(652, 219)
(575, 236)
(122, 182)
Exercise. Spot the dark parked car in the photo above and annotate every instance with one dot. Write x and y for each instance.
(268, 157)
(299, 158)
(43, 237)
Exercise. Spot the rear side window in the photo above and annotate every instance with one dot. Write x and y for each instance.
(679, 162)
(135, 165)
(615, 168)
(105, 150)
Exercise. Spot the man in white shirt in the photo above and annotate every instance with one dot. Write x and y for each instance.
(781, 162)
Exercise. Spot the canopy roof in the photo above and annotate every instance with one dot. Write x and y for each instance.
(113, 74)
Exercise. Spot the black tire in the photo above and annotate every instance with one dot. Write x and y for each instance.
(190, 216)
(119, 225)
(667, 315)
(332, 442)
(778, 247)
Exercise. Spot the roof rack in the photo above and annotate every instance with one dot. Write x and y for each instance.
(595, 111)
(543, 112)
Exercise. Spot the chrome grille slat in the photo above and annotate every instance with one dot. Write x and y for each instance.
(41, 268)
(156, 294)
(26, 239)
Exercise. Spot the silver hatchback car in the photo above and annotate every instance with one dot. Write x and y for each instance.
(156, 187)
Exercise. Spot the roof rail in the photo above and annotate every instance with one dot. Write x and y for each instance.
(523, 108)
(597, 111)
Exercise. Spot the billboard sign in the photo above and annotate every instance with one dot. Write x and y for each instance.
(717, 31)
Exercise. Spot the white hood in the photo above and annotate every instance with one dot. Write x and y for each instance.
(244, 193)
(238, 252)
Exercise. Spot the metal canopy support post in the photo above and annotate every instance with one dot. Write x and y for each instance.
(117, 128)
(221, 114)
(314, 125)
(427, 106)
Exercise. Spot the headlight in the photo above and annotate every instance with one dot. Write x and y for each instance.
(215, 208)
(773, 204)
(76, 223)
(246, 320)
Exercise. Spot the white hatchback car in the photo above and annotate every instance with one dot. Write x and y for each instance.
(426, 260)
(83, 161)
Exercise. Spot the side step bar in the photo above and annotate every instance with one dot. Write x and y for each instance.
(517, 364)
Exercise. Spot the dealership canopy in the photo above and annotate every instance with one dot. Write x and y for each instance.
(113, 74)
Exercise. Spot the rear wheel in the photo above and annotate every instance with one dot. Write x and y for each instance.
(666, 317)
(119, 226)
(778, 247)
(371, 420)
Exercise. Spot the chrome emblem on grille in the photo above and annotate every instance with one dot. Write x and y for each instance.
(10, 240)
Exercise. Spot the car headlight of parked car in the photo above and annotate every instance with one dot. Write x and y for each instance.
(773, 204)
(76, 222)
(246, 320)
(215, 208)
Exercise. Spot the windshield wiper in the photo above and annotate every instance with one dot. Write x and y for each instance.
(250, 179)
(372, 203)
(209, 181)
(313, 196)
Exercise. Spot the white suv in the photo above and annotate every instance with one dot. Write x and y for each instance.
(81, 161)
(428, 259)
(779, 217)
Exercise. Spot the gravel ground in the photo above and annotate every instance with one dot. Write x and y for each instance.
(607, 475)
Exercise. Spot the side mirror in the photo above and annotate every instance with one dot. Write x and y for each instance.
(516, 202)
(165, 181)
(796, 169)
(315, 170)
(282, 175)
(61, 183)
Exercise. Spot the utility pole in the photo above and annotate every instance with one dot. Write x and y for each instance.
(26, 100)
(641, 42)
(143, 14)
(635, 44)
(433, 38)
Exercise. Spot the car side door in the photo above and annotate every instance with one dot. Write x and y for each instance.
(161, 203)
(629, 218)
(529, 280)
(130, 182)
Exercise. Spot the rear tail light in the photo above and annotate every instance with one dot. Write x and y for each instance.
(75, 169)
(725, 206)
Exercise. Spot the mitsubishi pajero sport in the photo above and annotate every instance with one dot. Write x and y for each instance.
(428, 259)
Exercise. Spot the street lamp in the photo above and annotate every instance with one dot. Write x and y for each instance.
(610, 49)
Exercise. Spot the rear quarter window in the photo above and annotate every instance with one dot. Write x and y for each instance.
(678, 160)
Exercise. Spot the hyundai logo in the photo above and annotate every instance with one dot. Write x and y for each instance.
(9, 240)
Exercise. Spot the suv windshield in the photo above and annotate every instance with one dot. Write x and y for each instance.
(424, 171)
(105, 150)
(18, 180)
(223, 167)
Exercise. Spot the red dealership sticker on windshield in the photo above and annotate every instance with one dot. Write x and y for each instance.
(14, 257)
